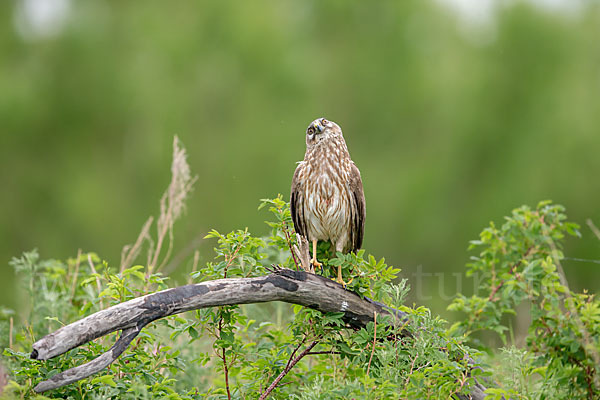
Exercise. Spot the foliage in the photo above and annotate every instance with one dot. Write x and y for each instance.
(227, 352)
(244, 355)
(67, 291)
(450, 121)
(521, 262)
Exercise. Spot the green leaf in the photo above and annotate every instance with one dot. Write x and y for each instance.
(104, 379)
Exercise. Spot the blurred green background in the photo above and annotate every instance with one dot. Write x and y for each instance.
(454, 118)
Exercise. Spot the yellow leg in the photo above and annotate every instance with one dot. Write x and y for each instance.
(314, 261)
(340, 280)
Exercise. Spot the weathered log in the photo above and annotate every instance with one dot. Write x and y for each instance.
(296, 287)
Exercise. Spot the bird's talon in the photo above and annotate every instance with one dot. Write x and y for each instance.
(341, 281)
(339, 278)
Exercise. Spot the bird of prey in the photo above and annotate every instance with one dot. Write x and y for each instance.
(327, 199)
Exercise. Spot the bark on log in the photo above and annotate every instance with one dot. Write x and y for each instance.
(296, 287)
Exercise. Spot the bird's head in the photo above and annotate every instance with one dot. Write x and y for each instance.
(321, 129)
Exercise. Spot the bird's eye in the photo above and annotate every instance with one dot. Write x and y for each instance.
(311, 130)
(324, 121)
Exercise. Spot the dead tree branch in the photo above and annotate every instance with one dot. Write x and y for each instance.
(295, 287)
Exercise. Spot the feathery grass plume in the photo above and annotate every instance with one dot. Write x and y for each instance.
(172, 206)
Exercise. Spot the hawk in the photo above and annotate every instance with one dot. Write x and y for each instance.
(327, 199)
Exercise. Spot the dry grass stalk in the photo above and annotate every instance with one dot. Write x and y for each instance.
(172, 206)
(129, 252)
(75, 274)
(98, 285)
(172, 203)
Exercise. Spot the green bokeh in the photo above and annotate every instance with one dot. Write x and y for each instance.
(452, 124)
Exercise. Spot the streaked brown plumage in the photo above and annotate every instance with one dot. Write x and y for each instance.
(327, 200)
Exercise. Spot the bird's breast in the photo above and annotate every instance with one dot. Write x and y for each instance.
(327, 199)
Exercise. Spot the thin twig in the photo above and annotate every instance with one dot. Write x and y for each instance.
(286, 370)
(226, 375)
(194, 266)
(196, 260)
(74, 277)
(374, 341)
(412, 366)
(10, 329)
(230, 260)
(314, 353)
(98, 285)
(170, 248)
(581, 260)
(290, 245)
(594, 228)
(295, 350)
(130, 253)
(163, 226)
(223, 357)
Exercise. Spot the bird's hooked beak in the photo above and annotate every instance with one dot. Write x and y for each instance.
(318, 126)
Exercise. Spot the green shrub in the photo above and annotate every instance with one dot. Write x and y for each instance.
(238, 351)
(520, 262)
